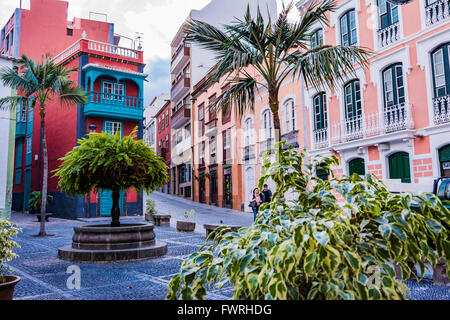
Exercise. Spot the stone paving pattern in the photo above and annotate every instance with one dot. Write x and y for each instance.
(44, 275)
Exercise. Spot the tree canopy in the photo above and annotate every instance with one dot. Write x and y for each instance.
(108, 162)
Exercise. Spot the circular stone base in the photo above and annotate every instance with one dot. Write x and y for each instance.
(106, 256)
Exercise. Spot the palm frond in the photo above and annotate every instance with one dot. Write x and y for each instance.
(10, 102)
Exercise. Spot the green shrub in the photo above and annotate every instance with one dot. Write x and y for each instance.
(7, 232)
(150, 206)
(35, 201)
(315, 247)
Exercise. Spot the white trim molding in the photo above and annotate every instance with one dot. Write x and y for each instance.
(378, 64)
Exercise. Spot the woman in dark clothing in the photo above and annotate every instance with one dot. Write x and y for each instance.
(255, 202)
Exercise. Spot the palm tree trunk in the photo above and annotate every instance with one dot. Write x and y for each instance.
(115, 210)
(274, 107)
(42, 232)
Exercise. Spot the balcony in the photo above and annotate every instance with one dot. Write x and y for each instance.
(291, 139)
(183, 146)
(104, 49)
(181, 117)
(388, 35)
(320, 138)
(437, 12)
(106, 105)
(211, 128)
(227, 157)
(441, 109)
(181, 87)
(392, 119)
(21, 130)
(180, 59)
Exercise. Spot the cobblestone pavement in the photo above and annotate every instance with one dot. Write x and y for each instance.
(204, 214)
(44, 276)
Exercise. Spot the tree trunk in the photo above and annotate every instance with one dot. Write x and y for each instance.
(125, 212)
(274, 107)
(42, 232)
(88, 205)
(115, 210)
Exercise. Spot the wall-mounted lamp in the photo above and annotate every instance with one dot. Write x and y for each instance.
(92, 128)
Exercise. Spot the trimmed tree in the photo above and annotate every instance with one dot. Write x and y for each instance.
(37, 84)
(103, 161)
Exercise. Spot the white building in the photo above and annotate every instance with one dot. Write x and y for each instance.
(149, 118)
(190, 63)
(7, 142)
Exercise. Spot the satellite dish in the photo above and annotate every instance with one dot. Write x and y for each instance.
(399, 2)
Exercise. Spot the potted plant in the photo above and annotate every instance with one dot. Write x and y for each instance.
(150, 210)
(35, 203)
(186, 226)
(7, 282)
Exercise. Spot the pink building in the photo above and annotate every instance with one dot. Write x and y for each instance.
(392, 119)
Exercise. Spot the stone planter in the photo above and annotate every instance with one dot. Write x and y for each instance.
(7, 288)
(440, 277)
(185, 226)
(212, 228)
(160, 220)
(103, 243)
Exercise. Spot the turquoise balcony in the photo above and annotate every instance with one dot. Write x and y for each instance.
(112, 106)
(20, 130)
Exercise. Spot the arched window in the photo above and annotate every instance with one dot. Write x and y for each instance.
(289, 116)
(320, 111)
(266, 124)
(348, 28)
(353, 110)
(357, 166)
(317, 38)
(248, 132)
(399, 167)
(322, 172)
(388, 13)
(441, 70)
(393, 86)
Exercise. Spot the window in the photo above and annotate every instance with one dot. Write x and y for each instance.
(22, 112)
(151, 133)
(388, 13)
(289, 116)
(29, 145)
(394, 90)
(357, 166)
(113, 127)
(348, 29)
(69, 32)
(320, 111)
(352, 100)
(113, 91)
(317, 38)
(212, 146)
(399, 167)
(248, 132)
(227, 139)
(187, 131)
(441, 71)
(167, 118)
(18, 178)
(267, 125)
(201, 120)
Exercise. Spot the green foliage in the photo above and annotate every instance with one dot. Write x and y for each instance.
(105, 161)
(150, 206)
(7, 233)
(315, 247)
(35, 201)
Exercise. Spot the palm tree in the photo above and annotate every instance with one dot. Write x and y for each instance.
(275, 51)
(37, 84)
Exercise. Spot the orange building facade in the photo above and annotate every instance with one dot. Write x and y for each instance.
(392, 119)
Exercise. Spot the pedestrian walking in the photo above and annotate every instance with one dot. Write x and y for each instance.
(266, 194)
(255, 203)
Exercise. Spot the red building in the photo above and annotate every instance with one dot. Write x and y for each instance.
(113, 79)
(163, 138)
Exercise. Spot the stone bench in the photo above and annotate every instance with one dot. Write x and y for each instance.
(212, 228)
(160, 220)
(47, 215)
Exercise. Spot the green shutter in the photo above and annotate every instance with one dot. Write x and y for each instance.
(399, 167)
(357, 166)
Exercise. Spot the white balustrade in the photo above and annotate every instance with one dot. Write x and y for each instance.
(74, 48)
(112, 49)
(320, 138)
(441, 109)
(388, 35)
(437, 11)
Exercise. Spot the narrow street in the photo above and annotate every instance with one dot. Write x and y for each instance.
(204, 214)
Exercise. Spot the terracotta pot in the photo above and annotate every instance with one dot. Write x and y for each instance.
(185, 226)
(7, 288)
(149, 217)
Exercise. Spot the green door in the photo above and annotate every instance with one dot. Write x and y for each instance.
(399, 167)
(357, 166)
(27, 189)
(105, 195)
(444, 159)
